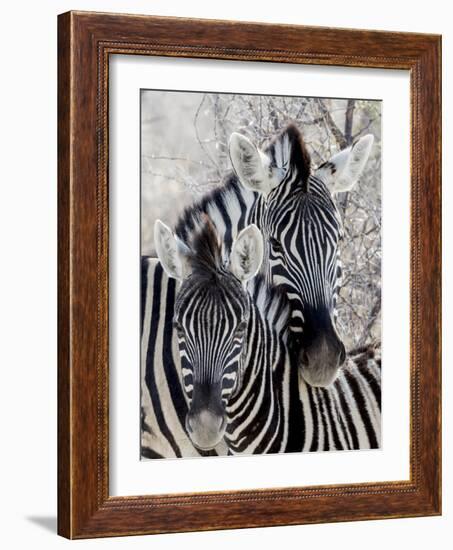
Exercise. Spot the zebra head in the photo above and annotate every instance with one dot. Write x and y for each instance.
(211, 315)
(302, 227)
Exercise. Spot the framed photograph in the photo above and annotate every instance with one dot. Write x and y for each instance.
(249, 275)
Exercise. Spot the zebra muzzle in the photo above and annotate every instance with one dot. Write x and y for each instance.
(205, 428)
(320, 363)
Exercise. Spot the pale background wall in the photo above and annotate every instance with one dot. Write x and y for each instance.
(28, 270)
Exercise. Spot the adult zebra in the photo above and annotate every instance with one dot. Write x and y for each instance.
(284, 199)
(235, 360)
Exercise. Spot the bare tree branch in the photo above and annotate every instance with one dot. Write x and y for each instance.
(348, 121)
(336, 132)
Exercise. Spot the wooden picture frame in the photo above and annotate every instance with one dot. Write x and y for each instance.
(85, 42)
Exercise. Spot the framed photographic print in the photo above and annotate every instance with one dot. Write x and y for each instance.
(249, 275)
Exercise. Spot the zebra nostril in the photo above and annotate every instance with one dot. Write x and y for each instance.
(188, 425)
(342, 355)
(304, 359)
(222, 423)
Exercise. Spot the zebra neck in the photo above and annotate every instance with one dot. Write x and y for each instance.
(230, 208)
(256, 416)
(272, 305)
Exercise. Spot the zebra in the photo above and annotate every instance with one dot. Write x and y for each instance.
(236, 363)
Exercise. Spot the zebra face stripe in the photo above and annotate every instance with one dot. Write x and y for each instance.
(302, 227)
(211, 321)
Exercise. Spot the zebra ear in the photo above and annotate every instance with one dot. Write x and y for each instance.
(247, 253)
(249, 163)
(171, 251)
(344, 169)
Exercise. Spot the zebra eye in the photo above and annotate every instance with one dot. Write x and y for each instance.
(241, 328)
(178, 327)
(276, 245)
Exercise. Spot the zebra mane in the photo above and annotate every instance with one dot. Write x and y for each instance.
(205, 256)
(226, 200)
(271, 302)
(288, 150)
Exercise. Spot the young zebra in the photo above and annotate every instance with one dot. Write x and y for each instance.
(235, 361)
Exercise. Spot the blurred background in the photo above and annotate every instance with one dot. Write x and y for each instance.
(184, 154)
